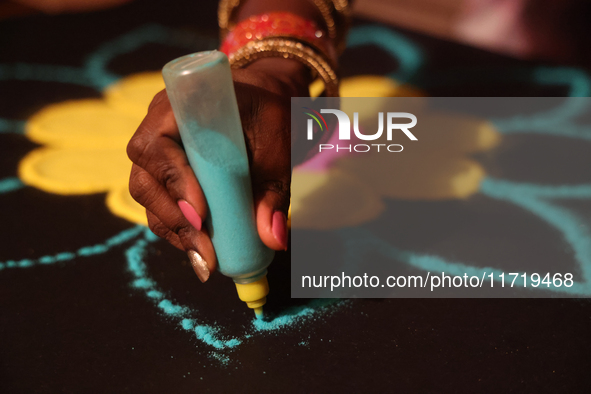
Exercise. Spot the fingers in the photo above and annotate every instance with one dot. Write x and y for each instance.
(156, 147)
(163, 182)
(167, 221)
(162, 231)
(267, 128)
(271, 213)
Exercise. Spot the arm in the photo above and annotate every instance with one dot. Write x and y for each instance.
(162, 181)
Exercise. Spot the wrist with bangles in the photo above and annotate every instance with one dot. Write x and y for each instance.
(282, 35)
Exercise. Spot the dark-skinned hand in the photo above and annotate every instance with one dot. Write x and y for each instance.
(162, 181)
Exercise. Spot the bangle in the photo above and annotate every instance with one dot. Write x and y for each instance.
(337, 25)
(337, 17)
(289, 49)
(279, 24)
(225, 9)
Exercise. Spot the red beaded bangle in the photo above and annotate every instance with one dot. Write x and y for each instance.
(279, 24)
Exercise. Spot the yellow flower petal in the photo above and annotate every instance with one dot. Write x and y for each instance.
(326, 200)
(455, 134)
(82, 124)
(368, 86)
(376, 86)
(75, 171)
(120, 202)
(85, 143)
(133, 94)
(417, 177)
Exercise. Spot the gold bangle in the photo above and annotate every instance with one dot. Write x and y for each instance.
(337, 17)
(225, 9)
(342, 6)
(326, 7)
(288, 49)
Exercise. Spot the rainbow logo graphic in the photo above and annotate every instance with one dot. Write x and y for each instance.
(315, 117)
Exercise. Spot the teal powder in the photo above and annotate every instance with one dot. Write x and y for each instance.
(10, 184)
(25, 263)
(14, 127)
(207, 334)
(143, 283)
(155, 294)
(114, 241)
(92, 250)
(187, 324)
(223, 359)
(536, 199)
(170, 308)
(409, 56)
(294, 315)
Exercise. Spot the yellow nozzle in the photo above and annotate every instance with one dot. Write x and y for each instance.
(254, 293)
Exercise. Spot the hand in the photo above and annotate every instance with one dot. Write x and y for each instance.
(163, 182)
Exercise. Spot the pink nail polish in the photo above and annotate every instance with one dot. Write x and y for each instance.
(190, 214)
(279, 228)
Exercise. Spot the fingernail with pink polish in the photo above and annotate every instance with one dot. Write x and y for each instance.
(190, 214)
(279, 228)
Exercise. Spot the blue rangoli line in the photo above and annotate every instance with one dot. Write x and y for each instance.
(86, 251)
(409, 55)
(96, 64)
(12, 126)
(95, 74)
(574, 231)
(208, 334)
(10, 184)
(578, 80)
(45, 73)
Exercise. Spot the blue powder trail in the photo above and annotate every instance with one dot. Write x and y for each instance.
(410, 58)
(10, 184)
(208, 334)
(295, 315)
(136, 265)
(408, 55)
(574, 231)
(537, 199)
(96, 64)
(44, 73)
(12, 126)
(86, 251)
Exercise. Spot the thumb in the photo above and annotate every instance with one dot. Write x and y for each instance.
(271, 213)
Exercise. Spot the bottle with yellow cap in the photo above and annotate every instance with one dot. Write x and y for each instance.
(201, 92)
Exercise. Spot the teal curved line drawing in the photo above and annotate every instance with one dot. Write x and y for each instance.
(86, 251)
(209, 334)
(576, 79)
(45, 73)
(96, 64)
(10, 184)
(94, 73)
(39, 73)
(408, 54)
(558, 121)
(537, 199)
(12, 126)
